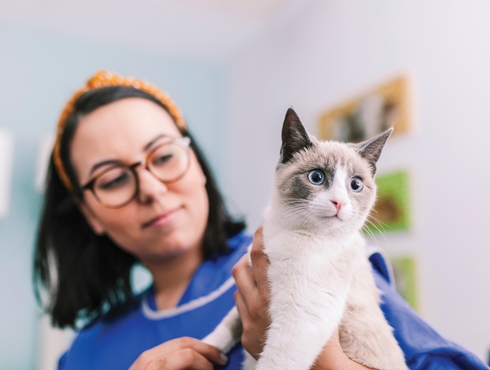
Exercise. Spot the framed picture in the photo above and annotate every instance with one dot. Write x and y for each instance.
(392, 211)
(368, 114)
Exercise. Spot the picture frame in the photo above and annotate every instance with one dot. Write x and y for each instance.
(392, 210)
(369, 113)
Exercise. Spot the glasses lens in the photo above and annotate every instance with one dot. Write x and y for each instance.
(116, 186)
(168, 162)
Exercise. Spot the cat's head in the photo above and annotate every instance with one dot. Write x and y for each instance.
(325, 185)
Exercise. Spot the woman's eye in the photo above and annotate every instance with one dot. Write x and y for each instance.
(118, 181)
(316, 177)
(356, 184)
(162, 159)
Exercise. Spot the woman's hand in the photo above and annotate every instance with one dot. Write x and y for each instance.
(333, 357)
(252, 296)
(252, 301)
(180, 354)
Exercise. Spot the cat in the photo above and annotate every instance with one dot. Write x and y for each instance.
(319, 276)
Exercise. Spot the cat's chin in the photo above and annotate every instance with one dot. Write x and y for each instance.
(336, 224)
(335, 219)
(332, 217)
(327, 223)
(331, 221)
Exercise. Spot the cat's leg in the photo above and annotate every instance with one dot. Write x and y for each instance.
(308, 293)
(365, 335)
(249, 362)
(227, 333)
(297, 334)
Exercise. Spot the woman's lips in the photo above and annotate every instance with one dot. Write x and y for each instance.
(162, 219)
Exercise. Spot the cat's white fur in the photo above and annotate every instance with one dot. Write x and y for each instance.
(320, 280)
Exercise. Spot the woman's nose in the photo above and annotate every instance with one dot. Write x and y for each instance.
(150, 187)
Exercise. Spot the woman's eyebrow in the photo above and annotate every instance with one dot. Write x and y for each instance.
(149, 145)
(103, 163)
(115, 161)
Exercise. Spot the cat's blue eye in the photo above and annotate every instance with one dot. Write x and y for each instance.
(356, 184)
(316, 177)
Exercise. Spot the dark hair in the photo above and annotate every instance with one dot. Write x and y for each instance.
(92, 274)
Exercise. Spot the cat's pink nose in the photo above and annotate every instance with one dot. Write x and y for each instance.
(337, 204)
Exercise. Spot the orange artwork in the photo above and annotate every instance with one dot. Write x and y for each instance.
(370, 113)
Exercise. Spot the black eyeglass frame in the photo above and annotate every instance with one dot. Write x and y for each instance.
(184, 141)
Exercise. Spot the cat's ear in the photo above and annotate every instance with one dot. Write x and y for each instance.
(371, 149)
(294, 136)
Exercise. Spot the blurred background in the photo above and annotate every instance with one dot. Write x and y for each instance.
(234, 67)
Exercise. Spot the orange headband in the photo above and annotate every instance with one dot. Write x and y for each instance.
(105, 79)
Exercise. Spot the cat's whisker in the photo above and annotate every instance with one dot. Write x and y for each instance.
(379, 222)
(290, 215)
(382, 232)
(368, 231)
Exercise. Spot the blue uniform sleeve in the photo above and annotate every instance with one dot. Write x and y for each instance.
(424, 348)
(62, 361)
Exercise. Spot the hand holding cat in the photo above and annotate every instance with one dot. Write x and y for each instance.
(180, 354)
(252, 296)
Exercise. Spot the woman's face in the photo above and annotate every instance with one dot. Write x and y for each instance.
(164, 220)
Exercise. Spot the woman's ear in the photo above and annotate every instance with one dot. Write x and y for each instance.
(202, 176)
(94, 223)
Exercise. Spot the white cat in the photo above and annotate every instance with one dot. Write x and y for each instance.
(320, 278)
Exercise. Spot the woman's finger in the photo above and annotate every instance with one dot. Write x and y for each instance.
(242, 308)
(206, 350)
(244, 279)
(260, 264)
(166, 349)
(253, 335)
(181, 360)
(255, 303)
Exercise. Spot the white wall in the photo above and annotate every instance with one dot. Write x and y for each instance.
(334, 48)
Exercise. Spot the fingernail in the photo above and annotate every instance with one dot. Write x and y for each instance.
(223, 357)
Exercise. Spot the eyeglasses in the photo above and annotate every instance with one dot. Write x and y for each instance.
(119, 184)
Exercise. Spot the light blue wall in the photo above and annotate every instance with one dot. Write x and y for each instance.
(38, 72)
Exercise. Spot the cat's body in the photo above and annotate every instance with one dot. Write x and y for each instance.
(320, 278)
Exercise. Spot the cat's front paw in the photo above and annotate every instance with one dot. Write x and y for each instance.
(220, 339)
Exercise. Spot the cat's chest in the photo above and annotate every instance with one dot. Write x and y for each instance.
(296, 256)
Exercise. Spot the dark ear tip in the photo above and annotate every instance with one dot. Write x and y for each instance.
(390, 131)
(291, 111)
(386, 134)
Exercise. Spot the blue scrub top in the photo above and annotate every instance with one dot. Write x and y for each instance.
(116, 344)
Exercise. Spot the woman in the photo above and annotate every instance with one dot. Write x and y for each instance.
(127, 184)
